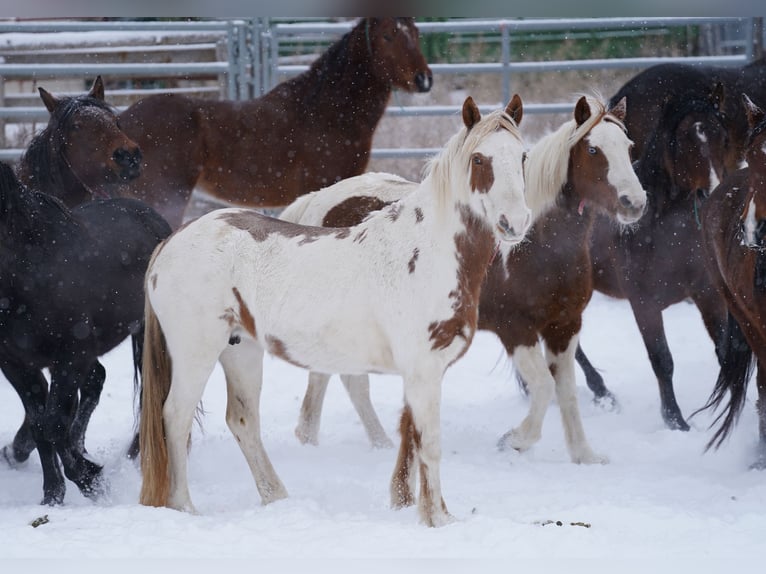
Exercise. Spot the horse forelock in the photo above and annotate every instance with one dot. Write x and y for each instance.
(547, 164)
(457, 152)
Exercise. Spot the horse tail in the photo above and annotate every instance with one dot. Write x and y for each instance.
(156, 377)
(737, 364)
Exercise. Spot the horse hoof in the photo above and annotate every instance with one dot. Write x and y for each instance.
(10, 458)
(590, 457)
(676, 423)
(607, 402)
(306, 437)
(382, 442)
(54, 498)
(512, 440)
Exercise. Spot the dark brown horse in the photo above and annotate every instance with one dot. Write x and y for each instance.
(82, 150)
(534, 296)
(306, 133)
(648, 91)
(659, 262)
(734, 233)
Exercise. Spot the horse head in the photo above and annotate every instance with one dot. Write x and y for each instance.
(753, 217)
(83, 134)
(494, 153)
(394, 46)
(600, 159)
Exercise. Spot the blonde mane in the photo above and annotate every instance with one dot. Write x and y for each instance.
(448, 170)
(545, 170)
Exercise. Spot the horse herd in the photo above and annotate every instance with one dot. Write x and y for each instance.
(655, 196)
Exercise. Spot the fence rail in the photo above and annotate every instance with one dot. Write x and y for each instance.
(247, 56)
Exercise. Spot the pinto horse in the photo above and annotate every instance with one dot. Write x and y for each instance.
(659, 261)
(306, 133)
(533, 297)
(406, 302)
(648, 91)
(734, 238)
(81, 151)
(71, 289)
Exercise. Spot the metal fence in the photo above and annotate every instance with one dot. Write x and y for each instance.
(252, 55)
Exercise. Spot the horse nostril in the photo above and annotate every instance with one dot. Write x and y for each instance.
(423, 81)
(625, 202)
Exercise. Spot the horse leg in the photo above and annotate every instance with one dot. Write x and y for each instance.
(422, 392)
(760, 460)
(310, 416)
(60, 412)
(529, 361)
(595, 382)
(649, 320)
(358, 389)
(243, 367)
(32, 388)
(563, 369)
(90, 392)
(405, 473)
(713, 311)
(23, 444)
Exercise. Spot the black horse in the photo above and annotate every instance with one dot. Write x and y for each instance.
(648, 91)
(71, 289)
(660, 261)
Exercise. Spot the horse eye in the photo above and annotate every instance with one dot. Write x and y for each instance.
(387, 37)
(592, 150)
(476, 160)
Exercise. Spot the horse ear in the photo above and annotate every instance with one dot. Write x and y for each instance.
(48, 99)
(582, 111)
(620, 109)
(717, 96)
(515, 109)
(97, 89)
(471, 113)
(754, 114)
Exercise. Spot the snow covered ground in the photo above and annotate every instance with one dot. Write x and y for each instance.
(660, 504)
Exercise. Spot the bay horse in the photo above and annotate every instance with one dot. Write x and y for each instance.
(659, 261)
(648, 91)
(734, 240)
(397, 293)
(306, 133)
(81, 151)
(534, 296)
(71, 289)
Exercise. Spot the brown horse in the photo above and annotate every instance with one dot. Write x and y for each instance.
(734, 234)
(648, 91)
(306, 133)
(659, 262)
(533, 296)
(81, 151)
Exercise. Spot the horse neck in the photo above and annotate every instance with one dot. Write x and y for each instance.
(566, 227)
(48, 171)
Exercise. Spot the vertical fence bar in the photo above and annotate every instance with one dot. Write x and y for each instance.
(231, 47)
(505, 35)
(243, 61)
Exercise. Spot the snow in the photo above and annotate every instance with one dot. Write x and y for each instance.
(660, 503)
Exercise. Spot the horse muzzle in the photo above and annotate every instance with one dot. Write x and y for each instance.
(514, 233)
(424, 81)
(129, 163)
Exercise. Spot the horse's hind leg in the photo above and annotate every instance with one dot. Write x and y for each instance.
(310, 416)
(23, 444)
(595, 381)
(530, 363)
(358, 388)
(403, 480)
(243, 366)
(563, 369)
(760, 460)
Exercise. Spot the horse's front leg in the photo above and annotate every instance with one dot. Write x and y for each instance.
(23, 444)
(310, 415)
(60, 412)
(90, 393)
(422, 393)
(602, 395)
(760, 459)
(649, 320)
(358, 389)
(563, 369)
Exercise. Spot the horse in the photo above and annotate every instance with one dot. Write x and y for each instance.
(71, 289)
(306, 133)
(659, 261)
(533, 297)
(398, 293)
(734, 241)
(81, 151)
(648, 91)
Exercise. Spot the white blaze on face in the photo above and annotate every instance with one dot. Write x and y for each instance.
(749, 223)
(714, 181)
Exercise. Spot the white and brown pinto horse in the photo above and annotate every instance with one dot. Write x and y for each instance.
(397, 293)
(533, 298)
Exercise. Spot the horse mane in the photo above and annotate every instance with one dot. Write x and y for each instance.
(43, 165)
(547, 163)
(441, 169)
(24, 213)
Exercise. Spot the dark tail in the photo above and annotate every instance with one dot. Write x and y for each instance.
(737, 364)
(138, 351)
